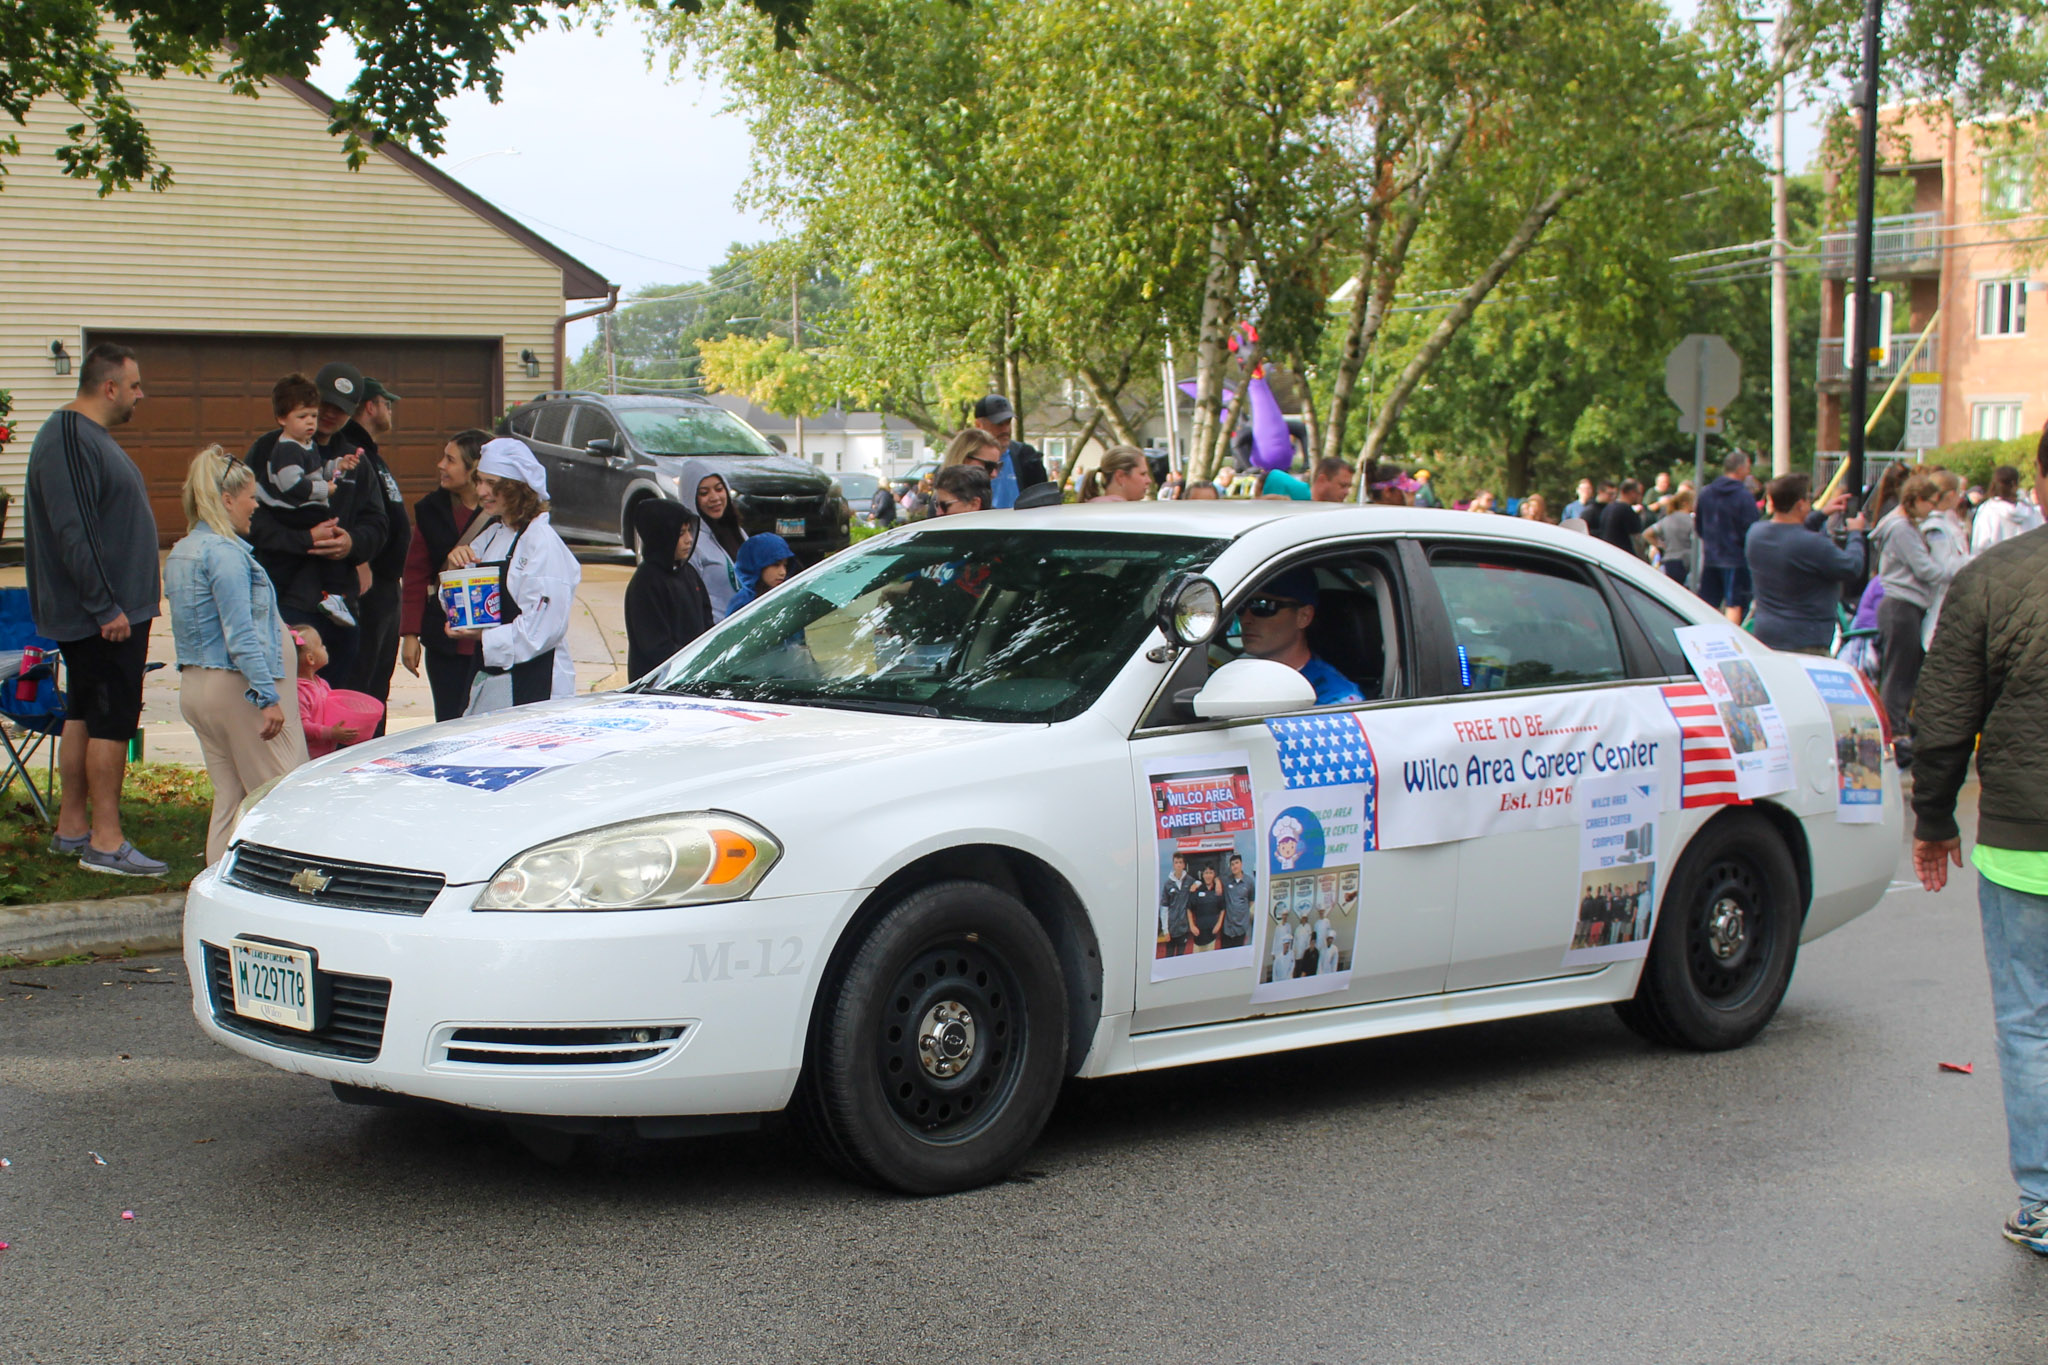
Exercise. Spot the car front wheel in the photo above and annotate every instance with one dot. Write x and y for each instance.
(938, 1051)
(1723, 950)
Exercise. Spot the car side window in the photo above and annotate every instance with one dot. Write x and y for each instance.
(1355, 628)
(1660, 626)
(1522, 620)
(523, 420)
(592, 424)
(552, 425)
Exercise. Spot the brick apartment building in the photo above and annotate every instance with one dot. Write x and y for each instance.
(1966, 255)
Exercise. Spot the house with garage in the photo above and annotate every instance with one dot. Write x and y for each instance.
(267, 255)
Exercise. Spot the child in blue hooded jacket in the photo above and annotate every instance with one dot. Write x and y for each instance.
(763, 562)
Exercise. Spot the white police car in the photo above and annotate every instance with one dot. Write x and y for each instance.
(991, 801)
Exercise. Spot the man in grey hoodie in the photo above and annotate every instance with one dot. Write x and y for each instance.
(93, 587)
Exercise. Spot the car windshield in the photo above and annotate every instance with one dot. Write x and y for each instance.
(859, 486)
(978, 624)
(691, 430)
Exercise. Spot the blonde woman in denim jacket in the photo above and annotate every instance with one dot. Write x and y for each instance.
(235, 658)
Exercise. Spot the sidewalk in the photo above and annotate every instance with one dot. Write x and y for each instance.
(597, 640)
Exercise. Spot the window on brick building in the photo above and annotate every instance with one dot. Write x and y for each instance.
(2001, 308)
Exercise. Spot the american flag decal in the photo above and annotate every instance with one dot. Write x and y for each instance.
(1706, 762)
(1330, 751)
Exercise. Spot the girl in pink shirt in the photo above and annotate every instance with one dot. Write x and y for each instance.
(332, 719)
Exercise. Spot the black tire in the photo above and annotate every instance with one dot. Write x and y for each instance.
(967, 970)
(1726, 941)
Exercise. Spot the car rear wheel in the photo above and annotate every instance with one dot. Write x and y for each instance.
(1726, 941)
(937, 1053)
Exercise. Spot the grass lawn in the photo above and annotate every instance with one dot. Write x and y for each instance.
(164, 812)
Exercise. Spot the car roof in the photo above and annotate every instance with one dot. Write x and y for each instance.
(621, 400)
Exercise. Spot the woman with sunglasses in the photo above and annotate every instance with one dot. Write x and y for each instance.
(973, 446)
(234, 687)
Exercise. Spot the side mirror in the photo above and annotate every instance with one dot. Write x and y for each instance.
(603, 446)
(1245, 688)
(1190, 610)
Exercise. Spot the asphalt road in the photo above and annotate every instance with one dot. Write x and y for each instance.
(1540, 1190)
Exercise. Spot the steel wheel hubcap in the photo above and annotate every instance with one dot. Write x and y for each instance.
(1727, 929)
(945, 1039)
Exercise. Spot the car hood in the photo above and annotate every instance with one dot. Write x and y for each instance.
(766, 474)
(461, 798)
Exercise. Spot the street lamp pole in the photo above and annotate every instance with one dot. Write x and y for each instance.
(1864, 317)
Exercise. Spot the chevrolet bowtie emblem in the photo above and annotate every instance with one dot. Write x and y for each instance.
(310, 881)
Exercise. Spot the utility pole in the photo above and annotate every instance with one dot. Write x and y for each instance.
(1866, 209)
(1781, 284)
(796, 347)
(1171, 394)
(611, 359)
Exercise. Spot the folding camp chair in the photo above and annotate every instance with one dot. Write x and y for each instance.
(31, 722)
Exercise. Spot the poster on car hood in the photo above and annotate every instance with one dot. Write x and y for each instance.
(1859, 746)
(1206, 839)
(1757, 741)
(1464, 770)
(523, 746)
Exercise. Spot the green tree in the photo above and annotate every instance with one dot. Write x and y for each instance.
(415, 57)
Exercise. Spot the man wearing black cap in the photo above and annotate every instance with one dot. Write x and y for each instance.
(1273, 624)
(294, 556)
(377, 613)
(1022, 465)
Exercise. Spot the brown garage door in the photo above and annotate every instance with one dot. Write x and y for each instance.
(202, 389)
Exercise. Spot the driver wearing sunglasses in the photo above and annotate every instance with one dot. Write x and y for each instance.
(1273, 624)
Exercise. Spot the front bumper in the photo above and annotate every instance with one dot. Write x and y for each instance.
(512, 1012)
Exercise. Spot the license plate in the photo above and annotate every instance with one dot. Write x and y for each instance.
(273, 984)
(789, 526)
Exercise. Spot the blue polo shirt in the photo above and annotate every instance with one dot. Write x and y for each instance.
(1332, 687)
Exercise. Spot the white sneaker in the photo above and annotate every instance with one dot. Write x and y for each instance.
(335, 605)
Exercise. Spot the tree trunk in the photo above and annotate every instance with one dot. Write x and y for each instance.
(1379, 274)
(1226, 432)
(1074, 452)
(1531, 228)
(1309, 421)
(1219, 300)
(1106, 406)
(1013, 381)
(1518, 453)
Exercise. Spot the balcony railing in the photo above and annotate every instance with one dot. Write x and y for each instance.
(1831, 372)
(1906, 244)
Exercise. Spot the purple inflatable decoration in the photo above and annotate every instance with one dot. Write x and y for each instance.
(1272, 444)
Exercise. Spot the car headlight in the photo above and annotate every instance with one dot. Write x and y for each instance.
(666, 860)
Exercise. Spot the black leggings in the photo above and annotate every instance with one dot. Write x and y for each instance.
(449, 675)
(1899, 657)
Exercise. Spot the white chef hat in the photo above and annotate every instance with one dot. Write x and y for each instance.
(506, 457)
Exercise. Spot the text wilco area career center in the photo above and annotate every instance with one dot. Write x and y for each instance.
(1534, 763)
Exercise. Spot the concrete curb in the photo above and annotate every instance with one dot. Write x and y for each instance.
(144, 923)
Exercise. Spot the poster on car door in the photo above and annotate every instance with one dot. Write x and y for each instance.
(1462, 770)
(1307, 920)
(1207, 841)
(1756, 733)
(1617, 889)
(1859, 746)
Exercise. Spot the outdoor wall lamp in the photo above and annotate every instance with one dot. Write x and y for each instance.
(60, 359)
(531, 361)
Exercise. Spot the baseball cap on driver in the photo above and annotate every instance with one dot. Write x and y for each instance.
(993, 407)
(340, 384)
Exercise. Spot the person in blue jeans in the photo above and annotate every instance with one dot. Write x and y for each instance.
(1984, 691)
(1726, 510)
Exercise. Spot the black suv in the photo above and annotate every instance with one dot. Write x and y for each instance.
(605, 452)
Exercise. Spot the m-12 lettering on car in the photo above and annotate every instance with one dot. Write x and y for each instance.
(718, 962)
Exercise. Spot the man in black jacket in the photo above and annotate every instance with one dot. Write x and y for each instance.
(292, 557)
(377, 614)
(1984, 689)
(1021, 463)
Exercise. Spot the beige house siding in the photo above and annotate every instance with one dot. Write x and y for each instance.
(265, 231)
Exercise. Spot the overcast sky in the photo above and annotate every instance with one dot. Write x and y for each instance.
(634, 173)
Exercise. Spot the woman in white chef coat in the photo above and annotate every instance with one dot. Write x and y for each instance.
(525, 658)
